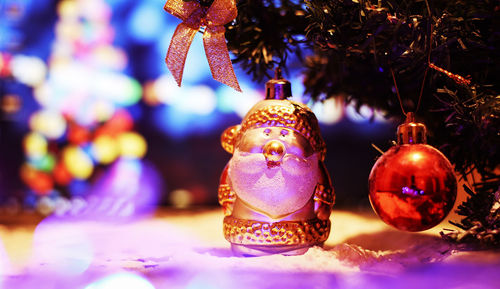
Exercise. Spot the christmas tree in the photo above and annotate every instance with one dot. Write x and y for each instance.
(83, 127)
(436, 58)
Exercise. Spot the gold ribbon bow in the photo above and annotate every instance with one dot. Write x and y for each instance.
(213, 18)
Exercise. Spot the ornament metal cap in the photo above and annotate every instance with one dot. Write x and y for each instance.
(411, 132)
(278, 87)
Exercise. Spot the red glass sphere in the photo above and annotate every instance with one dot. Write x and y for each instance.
(412, 187)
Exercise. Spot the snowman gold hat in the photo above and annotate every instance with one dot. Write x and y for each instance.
(278, 113)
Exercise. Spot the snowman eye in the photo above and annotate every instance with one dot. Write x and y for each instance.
(284, 132)
(267, 131)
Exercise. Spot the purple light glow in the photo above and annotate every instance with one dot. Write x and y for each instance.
(5, 266)
(130, 187)
(187, 251)
(63, 249)
(412, 191)
(208, 281)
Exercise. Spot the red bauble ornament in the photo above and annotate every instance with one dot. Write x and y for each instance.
(412, 186)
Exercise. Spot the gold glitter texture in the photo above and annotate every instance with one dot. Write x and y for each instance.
(324, 195)
(226, 198)
(250, 232)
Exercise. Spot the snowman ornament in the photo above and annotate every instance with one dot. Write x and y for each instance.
(275, 190)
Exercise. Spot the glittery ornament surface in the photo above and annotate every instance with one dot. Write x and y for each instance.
(213, 19)
(294, 233)
(412, 187)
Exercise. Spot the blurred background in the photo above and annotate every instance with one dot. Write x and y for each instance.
(92, 121)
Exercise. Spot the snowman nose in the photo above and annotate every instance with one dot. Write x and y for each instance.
(274, 151)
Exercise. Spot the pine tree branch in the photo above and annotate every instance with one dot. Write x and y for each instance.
(348, 47)
(266, 34)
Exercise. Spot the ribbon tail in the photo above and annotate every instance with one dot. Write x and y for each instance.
(218, 57)
(178, 50)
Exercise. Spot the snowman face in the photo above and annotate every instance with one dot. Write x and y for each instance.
(274, 170)
(254, 141)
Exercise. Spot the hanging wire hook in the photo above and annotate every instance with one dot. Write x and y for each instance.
(429, 49)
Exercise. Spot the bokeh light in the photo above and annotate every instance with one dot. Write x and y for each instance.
(165, 90)
(122, 280)
(145, 22)
(181, 198)
(233, 101)
(197, 99)
(180, 125)
(11, 103)
(120, 122)
(35, 145)
(78, 163)
(200, 100)
(45, 163)
(45, 205)
(28, 69)
(329, 111)
(105, 149)
(78, 135)
(87, 94)
(132, 145)
(40, 182)
(363, 113)
(62, 175)
(48, 123)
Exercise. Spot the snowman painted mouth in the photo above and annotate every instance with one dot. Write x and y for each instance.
(272, 164)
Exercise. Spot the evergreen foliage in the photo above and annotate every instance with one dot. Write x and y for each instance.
(350, 48)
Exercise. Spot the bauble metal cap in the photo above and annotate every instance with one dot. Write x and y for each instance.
(278, 87)
(411, 132)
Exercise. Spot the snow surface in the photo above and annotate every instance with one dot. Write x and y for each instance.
(186, 249)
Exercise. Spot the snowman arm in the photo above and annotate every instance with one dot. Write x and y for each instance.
(226, 195)
(324, 198)
(324, 195)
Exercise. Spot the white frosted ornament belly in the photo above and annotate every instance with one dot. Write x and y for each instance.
(276, 191)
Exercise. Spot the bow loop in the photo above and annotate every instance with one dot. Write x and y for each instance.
(219, 14)
(181, 9)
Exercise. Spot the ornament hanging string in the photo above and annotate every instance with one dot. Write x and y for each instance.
(195, 16)
(397, 91)
(455, 77)
(429, 49)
